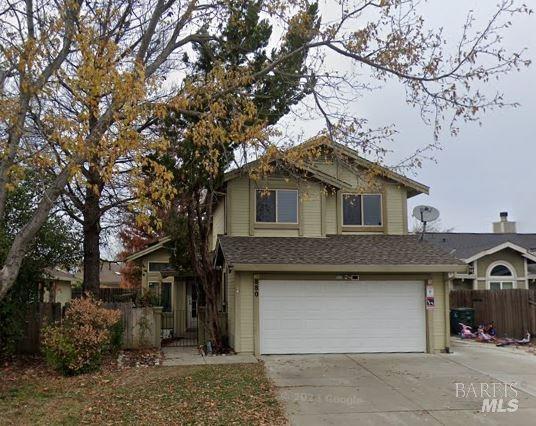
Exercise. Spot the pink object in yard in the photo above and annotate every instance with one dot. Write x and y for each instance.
(466, 332)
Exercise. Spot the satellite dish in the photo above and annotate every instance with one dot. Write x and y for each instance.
(426, 213)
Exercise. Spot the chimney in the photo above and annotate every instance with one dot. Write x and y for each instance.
(504, 226)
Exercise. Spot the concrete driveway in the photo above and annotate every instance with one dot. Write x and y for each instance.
(406, 389)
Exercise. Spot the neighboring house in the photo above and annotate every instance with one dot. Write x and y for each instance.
(177, 291)
(57, 286)
(110, 274)
(322, 264)
(500, 260)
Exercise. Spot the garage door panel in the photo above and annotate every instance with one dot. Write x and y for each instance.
(341, 316)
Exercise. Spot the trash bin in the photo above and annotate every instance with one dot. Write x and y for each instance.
(461, 315)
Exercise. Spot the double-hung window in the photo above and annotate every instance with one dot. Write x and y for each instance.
(362, 210)
(276, 206)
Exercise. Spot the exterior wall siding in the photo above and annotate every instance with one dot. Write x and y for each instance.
(311, 214)
(508, 255)
(231, 312)
(440, 329)
(238, 192)
(244, 340)
(62, 293)
(218, 223)
(395, 206)
(315, 219)
(331, 213)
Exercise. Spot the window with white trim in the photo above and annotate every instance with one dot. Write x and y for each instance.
(501, 277)
(276, 206)
(158, 266)
(362, 210)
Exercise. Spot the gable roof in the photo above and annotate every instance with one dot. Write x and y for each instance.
(414, 187)
(471, 246)
(342, 253)
(153, 247)
(110, 273)
(59, 275)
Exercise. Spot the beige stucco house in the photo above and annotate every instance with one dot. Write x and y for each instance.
(320, 263)
(57, 286)
(503, 259)
(176, 292)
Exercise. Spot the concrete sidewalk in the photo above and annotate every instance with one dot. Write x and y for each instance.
(175, 356)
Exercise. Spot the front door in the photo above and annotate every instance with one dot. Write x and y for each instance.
(191, 305)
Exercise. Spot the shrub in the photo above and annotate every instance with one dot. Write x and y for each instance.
(147, 298)
(76, 345)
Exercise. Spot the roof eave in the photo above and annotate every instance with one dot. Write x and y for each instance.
(282, 267)
(415, 188)
(148, 250)
(507, 245)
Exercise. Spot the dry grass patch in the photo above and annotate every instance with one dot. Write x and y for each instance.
(220, 394)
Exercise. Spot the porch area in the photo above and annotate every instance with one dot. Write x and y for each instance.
(179, 300)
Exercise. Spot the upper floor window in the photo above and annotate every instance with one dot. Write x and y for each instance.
(362, 210)
(276, 206)
(158, 266)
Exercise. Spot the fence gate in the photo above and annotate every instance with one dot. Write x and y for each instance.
(178, 330)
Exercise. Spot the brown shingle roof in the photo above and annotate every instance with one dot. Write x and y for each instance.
(464, 245)
(396, 250)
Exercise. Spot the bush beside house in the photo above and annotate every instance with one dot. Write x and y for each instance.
(88, 331)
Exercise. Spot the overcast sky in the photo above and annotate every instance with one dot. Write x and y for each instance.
(485, 169)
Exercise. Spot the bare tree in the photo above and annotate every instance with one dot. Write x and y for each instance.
(78, 80)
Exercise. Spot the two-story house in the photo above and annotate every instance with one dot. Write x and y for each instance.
(324, 264)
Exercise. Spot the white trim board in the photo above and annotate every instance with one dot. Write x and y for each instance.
(524, 252)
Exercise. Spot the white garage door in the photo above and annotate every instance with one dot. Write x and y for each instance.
(341, 316)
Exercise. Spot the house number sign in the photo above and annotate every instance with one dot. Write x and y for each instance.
(430, 300)
(256, 288)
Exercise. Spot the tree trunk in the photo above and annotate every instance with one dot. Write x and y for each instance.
(212, 317)
(91, 255)
(199, 222)
(92, 230)
(17, 251)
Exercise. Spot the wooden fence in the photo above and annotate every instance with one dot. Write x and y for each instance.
(112, 295)
(142, 327)
(513, 311)
(37, 316)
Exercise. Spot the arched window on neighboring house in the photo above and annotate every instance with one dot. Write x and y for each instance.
(501, 276)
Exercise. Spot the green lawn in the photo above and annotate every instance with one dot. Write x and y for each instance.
(224, 394)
